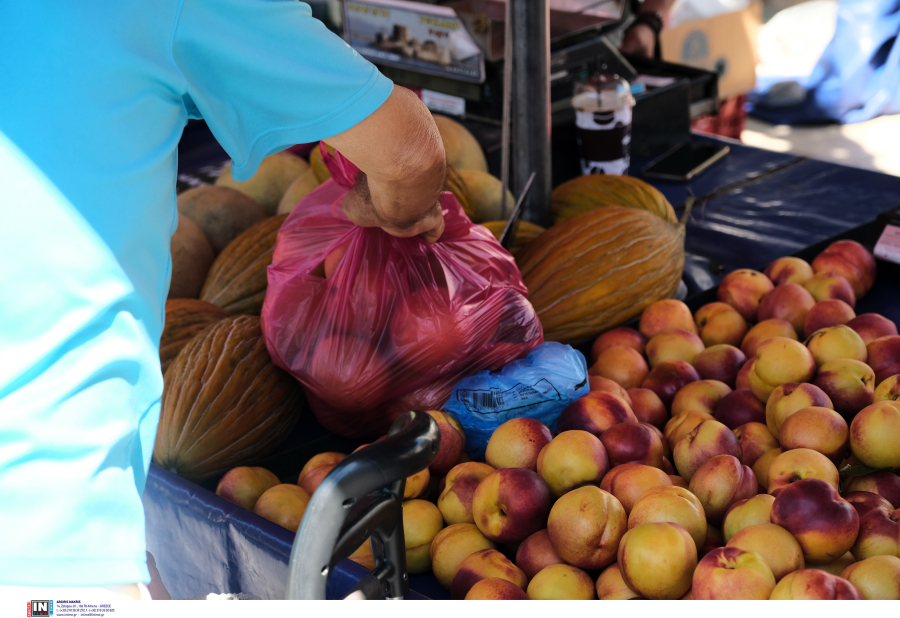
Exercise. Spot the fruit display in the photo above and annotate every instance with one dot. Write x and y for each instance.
(270, 182)
(185, 319)
(222, 213)
(192, 257)
(599, 269)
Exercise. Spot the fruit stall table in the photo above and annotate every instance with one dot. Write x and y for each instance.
(751, 208)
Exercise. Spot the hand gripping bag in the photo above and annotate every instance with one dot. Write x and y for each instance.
(397, 322)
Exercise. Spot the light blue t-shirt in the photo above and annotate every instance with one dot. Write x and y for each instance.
(93, 100)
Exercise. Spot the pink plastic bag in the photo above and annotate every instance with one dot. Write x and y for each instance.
(398, 321)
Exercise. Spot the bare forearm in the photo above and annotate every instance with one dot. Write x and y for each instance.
(399, 150)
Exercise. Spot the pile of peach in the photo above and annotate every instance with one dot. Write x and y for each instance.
(704, 462)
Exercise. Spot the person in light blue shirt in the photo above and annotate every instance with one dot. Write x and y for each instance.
(93, 100)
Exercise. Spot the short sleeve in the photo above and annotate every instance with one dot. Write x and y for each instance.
(266, 75)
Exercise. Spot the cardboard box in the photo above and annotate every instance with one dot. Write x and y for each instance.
(725, 44)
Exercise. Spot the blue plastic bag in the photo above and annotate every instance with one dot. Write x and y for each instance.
(539, 386)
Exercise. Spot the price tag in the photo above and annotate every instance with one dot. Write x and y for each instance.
(414, 36)
(888, 245)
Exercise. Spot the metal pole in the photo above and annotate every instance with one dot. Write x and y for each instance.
(530, 30)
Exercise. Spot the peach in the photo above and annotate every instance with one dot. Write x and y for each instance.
(720, 362)
(888, 389)
(453, 442)
(623, 365)
(875, 435)
(762, 466)
(789, 270)
(825, 313)
(799, 464)
(718, 323)
(778, 361)
(836, 342)
(762, 332)
(572, 459)
(595, 412)
(455, 500)
(849, 383)
(719, 483)
(670, 504)
(657, 560)
(648, 407)
(611, 586)
(744, 289)
(814, 585)
(790, 397)
(876, 578)
(838, 566)
(481, 565)
(664, 315)
(510, 504)
(708, 439)
(742, 381)
(495, 589)
(535, 553)
(600, 384)
(865, 501)
(585, 526)
(615, 337)
(852, 261)
(777, 546)
(516, 443)
(828, 285)
(244, 485)
(884, 357)
(677, 481)
(755, 441)
(789, 302)
(668, 377)
(732, 573)
(674, 344)
(745, 513)
(437, 338)
(629, 481)
(739, 408)
(421, 523)
(317, 468)
(819, 429)
(681, 425)
(561, 582)
(284, 505)
(700, 396)
(879, 534)
(633, 442)
(871, 326)
(417, 484)
(667, 451)
(451, 546)
(883, 482)
(823, 523)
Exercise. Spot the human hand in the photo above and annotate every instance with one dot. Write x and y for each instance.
(365, 204)
(639, 40)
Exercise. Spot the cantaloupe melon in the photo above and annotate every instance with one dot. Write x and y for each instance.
(271, 180)
(221, 213)
(484, 192)
(318, 165)
(192, 257)
(462, 149)
(297, 191)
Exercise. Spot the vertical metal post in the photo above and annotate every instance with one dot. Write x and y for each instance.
(530, 30)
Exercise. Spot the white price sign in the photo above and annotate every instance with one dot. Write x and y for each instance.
(888, 245)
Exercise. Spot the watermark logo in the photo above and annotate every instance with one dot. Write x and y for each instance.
(40, 608)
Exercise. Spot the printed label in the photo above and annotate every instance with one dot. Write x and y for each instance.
(888, 246)
(519, 396)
